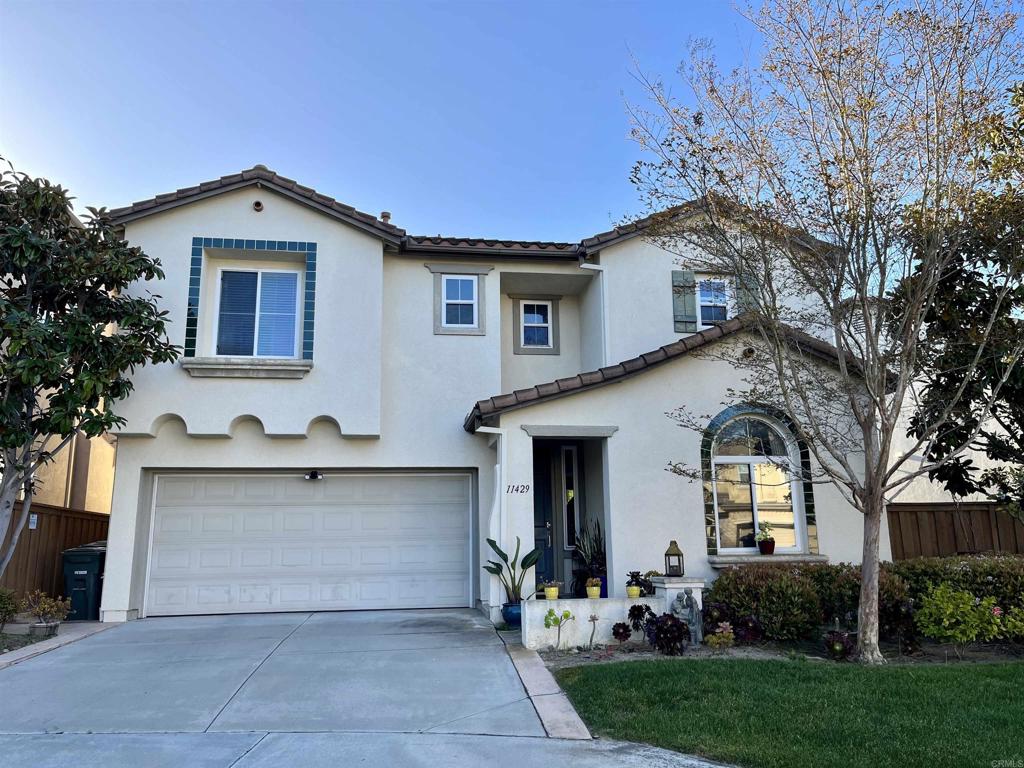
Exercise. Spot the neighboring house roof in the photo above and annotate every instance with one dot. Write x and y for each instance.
(612, 374)
(481, 246)
(260, 175)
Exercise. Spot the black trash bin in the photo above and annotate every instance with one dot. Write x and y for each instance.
(83, 580)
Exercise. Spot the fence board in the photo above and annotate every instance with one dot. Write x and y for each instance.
(37, 560)
(941, 528)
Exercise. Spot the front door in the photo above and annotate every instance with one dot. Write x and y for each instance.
(557, 508)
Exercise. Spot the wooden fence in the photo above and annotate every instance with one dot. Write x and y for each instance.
(37, 560)
(941, 528)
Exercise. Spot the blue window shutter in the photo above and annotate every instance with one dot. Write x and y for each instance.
(236, 323)
(684, 300)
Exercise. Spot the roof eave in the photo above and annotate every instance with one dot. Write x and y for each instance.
(133, 214)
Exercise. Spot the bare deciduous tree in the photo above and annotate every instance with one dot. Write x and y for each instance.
(799, 176)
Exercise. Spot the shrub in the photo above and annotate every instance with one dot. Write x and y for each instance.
(747, 630)
(998, 576)
(1013, 624)
(8, 607)
(638, 616)
(722, 637)
(667, 633)
(715, 614)
(781, 599)
(955, 616)
(46, 609)
(621, 631)
(839, 645)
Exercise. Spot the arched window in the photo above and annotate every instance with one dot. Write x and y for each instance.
(755, 478)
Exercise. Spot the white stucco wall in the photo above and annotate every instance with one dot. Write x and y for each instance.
(526, 370)
(348, 322)
(647, 505)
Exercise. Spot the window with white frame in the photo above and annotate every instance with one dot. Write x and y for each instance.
(755, 481)
(535, 324)
(460, 307)
(714, 307)
(258, 313)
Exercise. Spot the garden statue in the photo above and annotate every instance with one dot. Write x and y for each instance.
(685, 607)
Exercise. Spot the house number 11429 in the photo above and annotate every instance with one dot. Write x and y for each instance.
(517, 489)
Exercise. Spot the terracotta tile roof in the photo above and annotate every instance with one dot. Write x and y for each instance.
(260, 175)
(521, 398)
(477, 245)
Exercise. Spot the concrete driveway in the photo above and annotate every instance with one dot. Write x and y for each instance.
(395, 687)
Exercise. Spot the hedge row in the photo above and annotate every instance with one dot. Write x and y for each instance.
(791, 601)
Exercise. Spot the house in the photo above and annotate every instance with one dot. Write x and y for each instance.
(358, 409)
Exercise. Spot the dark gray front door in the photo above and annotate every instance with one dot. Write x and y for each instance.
(543, 512)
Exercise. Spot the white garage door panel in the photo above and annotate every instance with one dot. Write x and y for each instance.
(236, 544)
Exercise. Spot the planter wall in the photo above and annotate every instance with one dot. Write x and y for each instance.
(610, 610)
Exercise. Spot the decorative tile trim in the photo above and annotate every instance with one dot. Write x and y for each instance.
(710, 519)
(289, 246)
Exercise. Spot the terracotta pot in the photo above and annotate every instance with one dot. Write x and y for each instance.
(551, 593)
(633, 592)
(594, 593)
(766, 547)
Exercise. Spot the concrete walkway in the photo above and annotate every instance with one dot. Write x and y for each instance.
(390, 687)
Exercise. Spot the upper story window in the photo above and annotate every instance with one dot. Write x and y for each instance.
(459, 294)
(257, 313)
(535, 329)
(461, 309)
(714, 307)
(535, 320)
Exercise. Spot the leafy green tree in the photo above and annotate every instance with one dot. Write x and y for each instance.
(970, 305)
(70, 333)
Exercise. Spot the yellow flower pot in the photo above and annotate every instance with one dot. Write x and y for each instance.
(633, 592)
(593, 592)
(551, 593)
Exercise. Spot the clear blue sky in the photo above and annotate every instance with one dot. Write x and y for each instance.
(489, 119)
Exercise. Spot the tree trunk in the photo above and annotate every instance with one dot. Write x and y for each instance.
(867, 612)
(8, 498)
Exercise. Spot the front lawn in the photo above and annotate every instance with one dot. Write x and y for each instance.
(790, 714)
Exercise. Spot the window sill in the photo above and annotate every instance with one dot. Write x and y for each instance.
(458, 330)
(724, 561)
(246, 367)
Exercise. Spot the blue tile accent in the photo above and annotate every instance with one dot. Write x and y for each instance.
(196, 272)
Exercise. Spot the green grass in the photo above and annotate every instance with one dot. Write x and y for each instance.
(768, 714)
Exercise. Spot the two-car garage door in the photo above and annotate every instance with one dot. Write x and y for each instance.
(277, 542)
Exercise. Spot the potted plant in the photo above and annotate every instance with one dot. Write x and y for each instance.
(590, 556)
(551, 589)
(593, 588)
(638, 585)
(765, 540)
(49, 612)
(633, 585)
(512, 581)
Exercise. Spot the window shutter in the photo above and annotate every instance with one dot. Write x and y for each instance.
(746, 292)
(684, 300)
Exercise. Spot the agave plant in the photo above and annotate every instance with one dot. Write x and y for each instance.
(513, 579)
